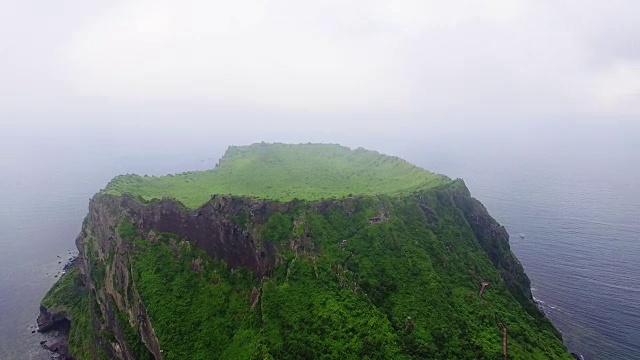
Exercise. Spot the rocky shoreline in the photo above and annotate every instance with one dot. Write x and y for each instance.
(545, 309)
(56, 325)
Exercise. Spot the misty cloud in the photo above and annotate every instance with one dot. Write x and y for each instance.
(401, 60)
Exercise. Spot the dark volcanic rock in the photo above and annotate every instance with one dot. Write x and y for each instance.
(71, 263)
(59, 347)
(48, 321)
(211, 227)
(59, 325)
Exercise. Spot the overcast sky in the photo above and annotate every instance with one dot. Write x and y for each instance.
(398, 66)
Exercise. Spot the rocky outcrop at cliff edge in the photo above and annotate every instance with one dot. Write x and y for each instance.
(48, 321)
(212, 228)
(494, 239)
(58, 325)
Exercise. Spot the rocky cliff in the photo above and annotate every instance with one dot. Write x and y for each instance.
(425, 273)
(231, 229)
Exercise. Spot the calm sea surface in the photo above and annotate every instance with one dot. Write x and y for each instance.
(579, 212)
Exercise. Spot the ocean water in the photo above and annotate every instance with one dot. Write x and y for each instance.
(577, 205)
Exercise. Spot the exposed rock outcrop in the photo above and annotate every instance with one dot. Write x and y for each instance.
(48, 321)
(58, 324)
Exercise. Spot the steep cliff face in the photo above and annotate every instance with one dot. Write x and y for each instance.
(336, 278)
(495, 241)
(106, 262)
(215, 228)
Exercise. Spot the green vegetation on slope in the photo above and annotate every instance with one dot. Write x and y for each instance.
(349, 296)
(196, 305)
(284, 172)
(391, 273)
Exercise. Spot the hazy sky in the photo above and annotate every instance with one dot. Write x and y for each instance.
(331, 66)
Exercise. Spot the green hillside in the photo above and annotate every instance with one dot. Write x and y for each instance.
(413, 267)
(284, 172)
(347, 293)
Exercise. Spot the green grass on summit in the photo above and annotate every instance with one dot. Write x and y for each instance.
(285, 172)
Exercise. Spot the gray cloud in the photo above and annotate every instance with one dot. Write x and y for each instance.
(316, 66)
